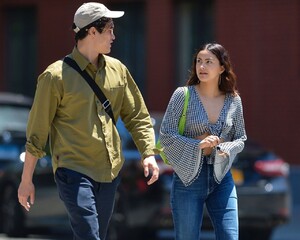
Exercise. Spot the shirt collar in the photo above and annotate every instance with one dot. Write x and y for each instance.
(83, 62)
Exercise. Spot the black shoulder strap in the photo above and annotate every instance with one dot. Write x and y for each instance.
(105, 102)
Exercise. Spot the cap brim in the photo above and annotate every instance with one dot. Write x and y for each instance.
(114, 14)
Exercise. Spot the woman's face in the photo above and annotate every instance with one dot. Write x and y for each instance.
(208, 67)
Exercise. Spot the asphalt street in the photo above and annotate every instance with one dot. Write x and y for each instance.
(289, 231)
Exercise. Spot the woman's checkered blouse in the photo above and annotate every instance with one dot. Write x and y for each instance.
(183, 152)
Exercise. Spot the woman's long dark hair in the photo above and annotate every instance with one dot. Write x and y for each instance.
(228, 78)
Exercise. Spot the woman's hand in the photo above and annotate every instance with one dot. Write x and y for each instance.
(208, 142)
(201, 137)
(222, 154)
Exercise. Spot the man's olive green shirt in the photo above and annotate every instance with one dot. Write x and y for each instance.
(82, 136)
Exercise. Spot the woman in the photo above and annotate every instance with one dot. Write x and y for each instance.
(202, 157)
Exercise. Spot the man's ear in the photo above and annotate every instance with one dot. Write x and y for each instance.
(92, 31)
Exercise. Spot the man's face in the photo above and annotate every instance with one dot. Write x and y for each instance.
(104, 40)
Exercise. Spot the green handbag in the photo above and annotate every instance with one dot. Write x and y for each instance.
(181, 125)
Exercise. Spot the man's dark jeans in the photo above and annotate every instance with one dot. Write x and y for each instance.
(89, 204)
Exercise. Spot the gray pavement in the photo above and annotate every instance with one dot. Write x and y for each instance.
(291, 231)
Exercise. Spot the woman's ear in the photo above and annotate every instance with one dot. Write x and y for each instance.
(222, 69)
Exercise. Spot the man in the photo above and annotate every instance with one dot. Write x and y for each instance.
(84, 142)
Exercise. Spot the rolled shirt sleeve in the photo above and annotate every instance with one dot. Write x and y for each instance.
(43, 110)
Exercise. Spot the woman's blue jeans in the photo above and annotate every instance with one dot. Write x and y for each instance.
(89, 204)
(221, 202)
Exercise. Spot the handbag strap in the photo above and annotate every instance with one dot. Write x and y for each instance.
(100, 95)
(183, 115)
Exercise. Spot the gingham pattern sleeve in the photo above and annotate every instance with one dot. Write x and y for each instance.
(183, 153)
(234, 134)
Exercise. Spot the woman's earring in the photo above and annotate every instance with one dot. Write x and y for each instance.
(220, 79)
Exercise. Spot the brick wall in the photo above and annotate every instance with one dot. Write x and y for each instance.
(262, 37)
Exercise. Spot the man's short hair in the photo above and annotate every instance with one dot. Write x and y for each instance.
(98, 24)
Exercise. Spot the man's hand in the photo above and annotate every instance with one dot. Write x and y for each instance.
(149, 163)
(26, 191)
(26, 194)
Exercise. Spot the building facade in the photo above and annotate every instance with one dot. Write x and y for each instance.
(156, 39)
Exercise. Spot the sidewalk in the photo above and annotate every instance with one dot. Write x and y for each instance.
(291, 231)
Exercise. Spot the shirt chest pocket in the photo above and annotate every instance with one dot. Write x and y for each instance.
(114, 89)
(113, 80)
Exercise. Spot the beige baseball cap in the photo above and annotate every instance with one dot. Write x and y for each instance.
(92, 11)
